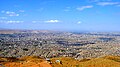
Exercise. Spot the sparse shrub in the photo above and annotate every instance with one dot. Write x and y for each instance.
(12, 59)
(83, 60)
(25, 49)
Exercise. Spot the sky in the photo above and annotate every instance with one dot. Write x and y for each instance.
(63, 15)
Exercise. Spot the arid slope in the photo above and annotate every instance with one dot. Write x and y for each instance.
(107, 61)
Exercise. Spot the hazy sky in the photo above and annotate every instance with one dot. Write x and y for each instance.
(70, 15)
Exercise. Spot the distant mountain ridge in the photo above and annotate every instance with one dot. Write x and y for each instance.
(11, 31)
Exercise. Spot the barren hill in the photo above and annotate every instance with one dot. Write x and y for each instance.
(31, 61)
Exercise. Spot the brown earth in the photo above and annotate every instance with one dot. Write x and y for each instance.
(24, 62)
(31, 61)
(27, 64)
(108, 61)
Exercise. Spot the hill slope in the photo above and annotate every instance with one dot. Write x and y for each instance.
(107, 61)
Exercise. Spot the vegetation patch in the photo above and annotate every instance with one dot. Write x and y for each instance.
(83, 60)
(115, 58)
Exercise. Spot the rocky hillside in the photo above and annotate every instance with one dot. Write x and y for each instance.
(31, 61)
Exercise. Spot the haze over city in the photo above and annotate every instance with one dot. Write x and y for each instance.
(65, 15)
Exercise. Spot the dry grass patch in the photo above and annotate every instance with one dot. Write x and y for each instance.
(30, 61)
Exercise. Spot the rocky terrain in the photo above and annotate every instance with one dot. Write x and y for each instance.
(33, 61)
(50, 44)
(29, 61)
